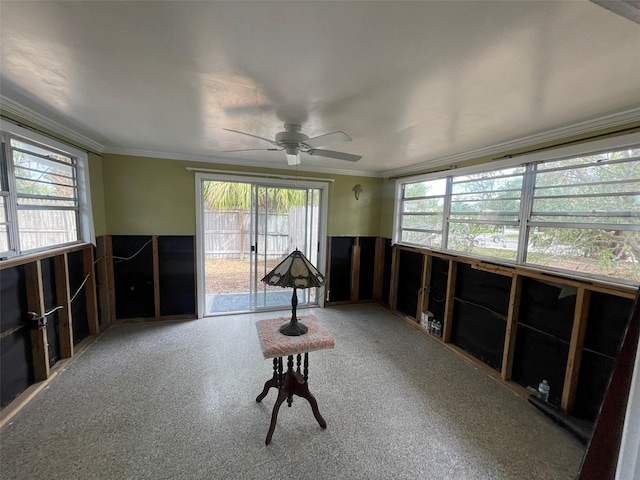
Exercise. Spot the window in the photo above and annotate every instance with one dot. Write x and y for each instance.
(43, 194)
(569, 212)
(422, 213)
(484, 213)
(586, 214)
(5, 225)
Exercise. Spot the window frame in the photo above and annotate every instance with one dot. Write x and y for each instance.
(84, 211)
(524, 222)
(403, 199)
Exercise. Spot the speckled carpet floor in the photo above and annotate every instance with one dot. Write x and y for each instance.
(177, 401)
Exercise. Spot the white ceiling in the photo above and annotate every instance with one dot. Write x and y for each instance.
(416, 84)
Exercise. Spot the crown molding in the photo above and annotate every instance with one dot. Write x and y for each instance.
(41, 121)
(214, 159)
(601, 123)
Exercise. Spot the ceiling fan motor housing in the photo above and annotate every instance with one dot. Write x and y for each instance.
(291, 138)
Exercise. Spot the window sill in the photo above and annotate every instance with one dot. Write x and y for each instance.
(32, 257)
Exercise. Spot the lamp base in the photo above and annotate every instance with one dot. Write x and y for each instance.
(293, 329)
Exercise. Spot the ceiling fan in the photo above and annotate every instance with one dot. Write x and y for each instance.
(292, 141)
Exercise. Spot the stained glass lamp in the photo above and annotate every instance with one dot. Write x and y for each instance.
(295, 271)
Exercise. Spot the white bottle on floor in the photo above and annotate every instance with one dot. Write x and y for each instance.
(543, 390)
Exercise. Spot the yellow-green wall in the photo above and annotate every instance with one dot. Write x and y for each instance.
(97, 194)
(146, 196)
(154, 196)
(387, 206)
(351, 217)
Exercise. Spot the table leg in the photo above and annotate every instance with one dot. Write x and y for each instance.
(303, 391)
(290, 384)
(282, 395)
(272, 382)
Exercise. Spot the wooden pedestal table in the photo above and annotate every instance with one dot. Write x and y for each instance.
(292, 382)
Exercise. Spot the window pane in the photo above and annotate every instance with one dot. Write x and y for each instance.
(24, 162)
(3, 209)
(613, 206)
(424, 222)
(427, 188)
(587, 191)
(602, 209)
(492, 216)
(425, 239)
(505, 179)
(593, 251)
(492, 240)
(40, 151)
(589, 218)
(46, 202)
(46, 228)
(423, 205)
(4, 238)
(487, 196)
(583, 188)
(41, 187)
(35, 176)
(598, 158)
(421, 222)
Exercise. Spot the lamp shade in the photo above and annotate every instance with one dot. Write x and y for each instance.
(295, 271)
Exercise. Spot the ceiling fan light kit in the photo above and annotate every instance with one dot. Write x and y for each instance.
(293, 156)
(293, 141)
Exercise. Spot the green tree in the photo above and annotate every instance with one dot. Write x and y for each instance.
(229, 196)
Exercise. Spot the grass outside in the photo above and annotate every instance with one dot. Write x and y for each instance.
(231, 275)
(578, 264)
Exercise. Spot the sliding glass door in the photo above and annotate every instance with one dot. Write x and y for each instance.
(285, 219)
(246, 226)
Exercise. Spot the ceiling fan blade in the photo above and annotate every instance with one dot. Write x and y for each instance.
(338, 155)
(327, 139)
(250, 135)
(254, 150)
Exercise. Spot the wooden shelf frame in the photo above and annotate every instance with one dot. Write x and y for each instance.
(35, 306)
(63, 297)
(108, 282)
(518, 274)
(34, 311)
(354, 272)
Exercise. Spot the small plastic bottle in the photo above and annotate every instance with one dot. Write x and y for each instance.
(437, 331)
(543, 390)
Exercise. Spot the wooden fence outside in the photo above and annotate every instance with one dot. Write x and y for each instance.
(60, 228)
(227, 234)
